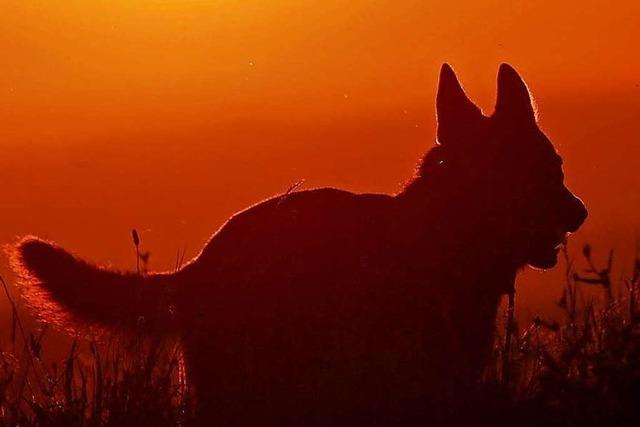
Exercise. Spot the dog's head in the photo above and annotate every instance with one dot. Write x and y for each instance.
(506, 169)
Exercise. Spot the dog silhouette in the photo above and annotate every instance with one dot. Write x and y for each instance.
(329, 308)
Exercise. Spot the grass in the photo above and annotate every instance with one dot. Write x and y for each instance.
(582, 369)
(112, 382)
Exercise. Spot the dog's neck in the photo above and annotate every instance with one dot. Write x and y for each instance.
(451, 222)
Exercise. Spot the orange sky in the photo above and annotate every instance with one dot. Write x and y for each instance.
(170, 115)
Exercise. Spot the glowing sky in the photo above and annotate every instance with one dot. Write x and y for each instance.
(170, 115)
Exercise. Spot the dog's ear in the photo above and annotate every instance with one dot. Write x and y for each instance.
(513, 100)
(458, 117)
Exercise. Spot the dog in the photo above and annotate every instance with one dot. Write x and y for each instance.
(328, 308)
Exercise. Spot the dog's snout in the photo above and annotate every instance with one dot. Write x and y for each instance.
(576, 213)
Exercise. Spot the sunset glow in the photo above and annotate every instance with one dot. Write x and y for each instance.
(169, 116)
(319, 213)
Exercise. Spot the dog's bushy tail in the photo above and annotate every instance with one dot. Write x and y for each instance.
(63, 289)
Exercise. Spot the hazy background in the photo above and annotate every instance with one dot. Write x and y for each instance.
(168, 116)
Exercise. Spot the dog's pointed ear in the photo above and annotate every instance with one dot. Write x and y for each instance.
(513, 100)
(457, 115)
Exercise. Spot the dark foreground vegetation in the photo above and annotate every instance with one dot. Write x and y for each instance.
(580, 370)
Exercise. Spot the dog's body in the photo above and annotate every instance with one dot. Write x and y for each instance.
(325, 307)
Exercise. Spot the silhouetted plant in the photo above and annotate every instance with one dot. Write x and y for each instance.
(132, 382)
(584, 370)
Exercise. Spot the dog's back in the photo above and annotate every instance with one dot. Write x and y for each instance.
(313, 300)
(304, 302)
